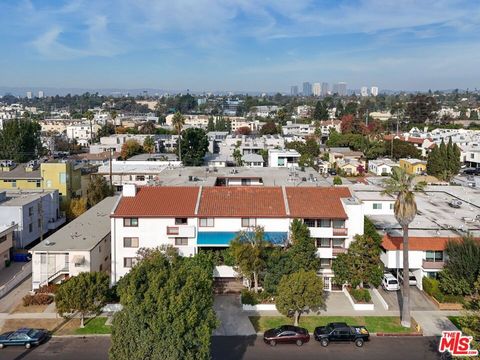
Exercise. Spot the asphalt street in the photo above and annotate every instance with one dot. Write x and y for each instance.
(243, 347)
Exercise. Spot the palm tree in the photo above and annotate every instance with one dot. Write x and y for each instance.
(90, 116)
(113, 115)
(178, 121)
(405, 209)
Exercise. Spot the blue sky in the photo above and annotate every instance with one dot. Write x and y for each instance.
(239, 44)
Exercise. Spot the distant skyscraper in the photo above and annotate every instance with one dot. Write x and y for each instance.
(40, 94)
(342, 88)
(294, 90)
(374, 91)
(364, 91)
(317, 89)
(324, 89)
(307, 89)
(29, 94)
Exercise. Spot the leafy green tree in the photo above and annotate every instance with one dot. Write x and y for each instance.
(167, 308)
(405, 209)
(473, 115)
(211, 124)
(106, 130)
(20, 140)
(435, 164)
(278, 264)
(337, 180)
(321, 111)
(361, 264)
(237, 156)
(462, 267)
(470, 318)
(453, 158)
(422, 108)
(298, 293)
(147, 128)
(249, 249)
(130, 148)
(194, 146)
(403, 149)
(303, 252)
(270, 128)
(149, 145)
(76, 207)
(85, 293)
(97, 190)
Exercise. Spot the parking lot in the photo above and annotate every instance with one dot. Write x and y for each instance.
(418, 300)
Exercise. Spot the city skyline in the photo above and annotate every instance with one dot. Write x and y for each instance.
(263, 47)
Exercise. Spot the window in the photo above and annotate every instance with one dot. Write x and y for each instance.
(130, 222)
(324, 262)
(37, 184)
(246, 182)
(309, 222)
(3, 238)
(206, 222)
(129, 262)
(130, 242)
(249, 222)
(338, 224)
(30, 211)
(391, 206)
(326, 284)
(43, 258)
(101, 267)
(30, 227)
(324, 243)
(434, 255)
(181, 241)
(325, 223)
(100, 249)
(63, 178)
(338, 243)
(377, 206)
(181, 221)
(140, 178)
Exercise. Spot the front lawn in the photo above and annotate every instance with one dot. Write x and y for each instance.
(374, 324)
(94, 326)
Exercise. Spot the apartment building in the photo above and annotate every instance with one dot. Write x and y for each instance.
(82, 245)
(194, 219)
(63, 176)
(381, 166)
(83, 133)
(35, 213)
(6, 243)
(283, 158)
(413, 166)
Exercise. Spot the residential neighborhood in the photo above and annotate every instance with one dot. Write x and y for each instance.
(239, 180)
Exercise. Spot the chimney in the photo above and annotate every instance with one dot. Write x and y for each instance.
(129, 190)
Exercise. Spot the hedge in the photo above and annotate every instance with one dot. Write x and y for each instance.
(431, 287)
(37, 299)
(361, 295)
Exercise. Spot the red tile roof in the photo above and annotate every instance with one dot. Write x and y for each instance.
(413, 140)
(416, 243)
(159, 201)
(242, 202)
(317, 202)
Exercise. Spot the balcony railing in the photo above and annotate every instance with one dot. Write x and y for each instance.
(173, 230)
(340, 232)
(338, 250)
(433, 264)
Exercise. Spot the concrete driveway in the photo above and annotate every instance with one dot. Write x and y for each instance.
(418, 300)
(233, 320)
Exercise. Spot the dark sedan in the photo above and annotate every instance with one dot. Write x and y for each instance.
(286, 334)
(24, 337)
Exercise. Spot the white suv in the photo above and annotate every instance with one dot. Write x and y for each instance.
(390, 283)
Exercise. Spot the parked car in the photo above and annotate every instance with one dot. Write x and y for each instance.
(472, 171)
(332, 171)
(455, 203)
(24, 337)
(341, 332)
(286, 334)
(390, 283)
(412, 280)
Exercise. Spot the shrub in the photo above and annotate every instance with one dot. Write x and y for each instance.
(361, 295)
(47, 289)
(249, 297)
(337, 180)
(432, 288)
(37, 299)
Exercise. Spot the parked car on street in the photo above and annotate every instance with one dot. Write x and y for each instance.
(455, 203)
(471, 171)
(286, 334)
(390, 283)
(332, 171)
(24, 337)
(341, 332)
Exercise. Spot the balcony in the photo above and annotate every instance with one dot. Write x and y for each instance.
(433, 265)
(338, 250)
(340, 232)
(181, 231)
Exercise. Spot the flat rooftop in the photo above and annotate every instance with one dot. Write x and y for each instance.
(204, 176)
(83, 233)
(434, 217)
(23, 197)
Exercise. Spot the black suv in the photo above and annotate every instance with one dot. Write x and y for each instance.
(341, 332)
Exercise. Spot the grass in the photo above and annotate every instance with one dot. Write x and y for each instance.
(94, 325)
(14, 324)
(454, 320)
(374, 324)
